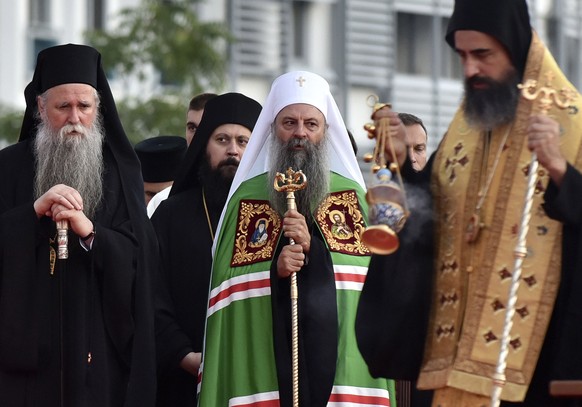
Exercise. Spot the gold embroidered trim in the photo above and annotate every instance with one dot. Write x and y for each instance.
(340, 219)
(253, 243)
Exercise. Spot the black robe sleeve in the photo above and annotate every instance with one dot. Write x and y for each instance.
(394, 307)
(560, 203)
(561, 358)
(181, 296)
(393, 310)
(19, 324)
(172, 343)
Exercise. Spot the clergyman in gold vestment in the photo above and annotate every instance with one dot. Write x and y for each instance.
(434, 311)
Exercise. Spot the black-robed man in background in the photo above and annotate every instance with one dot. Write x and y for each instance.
(185, 224)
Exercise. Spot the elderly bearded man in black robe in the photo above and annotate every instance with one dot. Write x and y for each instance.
(76, 331)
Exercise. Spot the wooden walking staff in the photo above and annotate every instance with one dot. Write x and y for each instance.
(546, 97)
(293, 181)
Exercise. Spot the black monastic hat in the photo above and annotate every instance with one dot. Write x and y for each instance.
(66, 64)
(160, 157)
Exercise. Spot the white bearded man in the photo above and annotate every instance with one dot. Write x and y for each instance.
(78, 330)
(247, 351)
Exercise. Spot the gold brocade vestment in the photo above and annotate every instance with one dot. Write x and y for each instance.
(472, 279)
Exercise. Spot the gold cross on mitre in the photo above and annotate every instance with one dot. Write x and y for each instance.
(547, 96)
(301, 80)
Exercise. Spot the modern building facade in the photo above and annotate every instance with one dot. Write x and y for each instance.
(390, 48)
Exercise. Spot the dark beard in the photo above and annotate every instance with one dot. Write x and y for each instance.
(216, 183)
(493, 106)
(314, 163)
(72, 160)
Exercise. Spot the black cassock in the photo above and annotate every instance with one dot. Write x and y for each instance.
(85, 332)
(182, 292)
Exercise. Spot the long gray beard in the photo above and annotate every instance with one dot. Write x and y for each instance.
(488, 108)
(313, 161)
(73, 160)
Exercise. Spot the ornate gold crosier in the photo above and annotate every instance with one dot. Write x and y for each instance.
(547, 97)
(290, 183)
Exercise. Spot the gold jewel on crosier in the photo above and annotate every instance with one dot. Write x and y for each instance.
(475, 224)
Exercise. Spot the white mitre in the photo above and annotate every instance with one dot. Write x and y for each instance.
(291, 88)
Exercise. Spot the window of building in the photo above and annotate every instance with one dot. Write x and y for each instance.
(417, 50)
(572, 59)
(368, 44)
(262, 30)
(96, 16)
(40, 12)
(565, 38)
(414, 46)
(300, 10)
(450, 62)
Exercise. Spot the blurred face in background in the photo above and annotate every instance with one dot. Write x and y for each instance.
(416, 140)
(193, 118)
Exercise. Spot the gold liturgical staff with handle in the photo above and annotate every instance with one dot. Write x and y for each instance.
(289, 183)
(388, 209)
(546, 97)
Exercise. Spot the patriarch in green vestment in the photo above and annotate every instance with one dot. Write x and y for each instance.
(247, 350)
